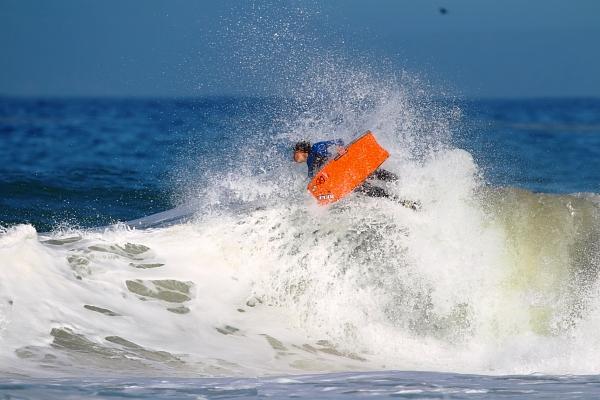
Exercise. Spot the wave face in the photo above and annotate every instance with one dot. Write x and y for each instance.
(246, 276)
(249, 277)
(501, 281)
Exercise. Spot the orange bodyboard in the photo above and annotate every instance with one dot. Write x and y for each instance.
(340, 176)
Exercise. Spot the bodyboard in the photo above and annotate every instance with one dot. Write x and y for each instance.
(340, 176)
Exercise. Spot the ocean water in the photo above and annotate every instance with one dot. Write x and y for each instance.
(167, 248)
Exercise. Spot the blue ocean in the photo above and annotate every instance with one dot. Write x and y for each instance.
(168, 248)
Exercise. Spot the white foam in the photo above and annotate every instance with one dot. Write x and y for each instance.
(480, 280)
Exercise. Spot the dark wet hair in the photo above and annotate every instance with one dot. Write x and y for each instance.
(302, 146)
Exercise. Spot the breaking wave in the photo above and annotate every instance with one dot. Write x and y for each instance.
(250, 277)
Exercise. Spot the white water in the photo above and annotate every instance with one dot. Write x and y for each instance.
(260, 280)
(472, 283)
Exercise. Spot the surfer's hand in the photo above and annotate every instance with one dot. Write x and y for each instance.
(341, 150)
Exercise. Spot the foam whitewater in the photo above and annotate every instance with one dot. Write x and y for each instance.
(483, 280)
(250, 277)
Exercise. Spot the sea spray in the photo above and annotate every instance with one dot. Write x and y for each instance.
(255, 279)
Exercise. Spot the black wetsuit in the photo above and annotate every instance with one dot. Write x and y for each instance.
(368, 189)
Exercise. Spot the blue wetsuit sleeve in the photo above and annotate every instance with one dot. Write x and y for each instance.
(327, 144)
(322, 148)
(319, 155)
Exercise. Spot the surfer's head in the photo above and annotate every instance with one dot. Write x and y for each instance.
(301, 150)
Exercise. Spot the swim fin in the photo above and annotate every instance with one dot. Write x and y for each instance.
(412, 204)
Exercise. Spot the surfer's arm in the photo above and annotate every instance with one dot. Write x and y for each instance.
(320, 153)
(341, 148)
(338, 143)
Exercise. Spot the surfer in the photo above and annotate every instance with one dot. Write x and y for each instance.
(316, 156)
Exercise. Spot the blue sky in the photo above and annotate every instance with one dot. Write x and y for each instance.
(480, 48)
